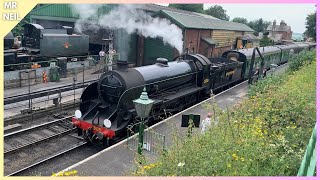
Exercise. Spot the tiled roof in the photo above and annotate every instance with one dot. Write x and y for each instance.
(185, 19)
(209, 40)
(201, 22)
(278, 28)
(249, 37)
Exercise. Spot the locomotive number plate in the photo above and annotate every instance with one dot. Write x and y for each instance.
(96, 128)
(205, 81)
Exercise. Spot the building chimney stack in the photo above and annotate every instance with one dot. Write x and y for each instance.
(282, 24)
(274, 25)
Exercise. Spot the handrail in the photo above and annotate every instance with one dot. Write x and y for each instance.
(308, 164)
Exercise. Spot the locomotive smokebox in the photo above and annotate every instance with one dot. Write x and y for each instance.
(122, 65)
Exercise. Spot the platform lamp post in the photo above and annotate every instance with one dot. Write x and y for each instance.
(143, 107)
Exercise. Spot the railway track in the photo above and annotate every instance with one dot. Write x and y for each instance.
(60, 160)
(37, 94)
(32, 146)
(47, 159)
(26, 137)
(53, 111)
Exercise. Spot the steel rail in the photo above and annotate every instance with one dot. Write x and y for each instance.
(37, 94)
(36, 127)
(47, 159)
(30, 143)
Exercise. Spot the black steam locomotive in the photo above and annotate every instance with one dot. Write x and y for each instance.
(173, 85)
(40, 44)
(107, 108)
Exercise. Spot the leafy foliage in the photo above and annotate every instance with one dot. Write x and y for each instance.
(18, 29)
(264, 135)
(299, 60)
(259, 25)
(188, 7)
(311, 26)
(218, 12)
(240, 20)
(265, 41)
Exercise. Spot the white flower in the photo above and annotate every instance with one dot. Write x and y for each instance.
(181, 164)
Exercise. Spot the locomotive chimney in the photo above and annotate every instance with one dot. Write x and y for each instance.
(162, 61)
(122, 65)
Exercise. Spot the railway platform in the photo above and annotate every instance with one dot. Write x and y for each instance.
(119, 159)
(88, 75)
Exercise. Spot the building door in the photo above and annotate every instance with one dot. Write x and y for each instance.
(155, 48)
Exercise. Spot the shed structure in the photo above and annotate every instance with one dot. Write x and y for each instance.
(202, 33)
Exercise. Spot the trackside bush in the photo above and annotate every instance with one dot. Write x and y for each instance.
(299, 60)
(265, 135)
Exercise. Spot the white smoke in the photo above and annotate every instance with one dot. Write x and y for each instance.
(132, 20)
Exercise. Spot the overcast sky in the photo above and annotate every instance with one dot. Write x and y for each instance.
(293, 14)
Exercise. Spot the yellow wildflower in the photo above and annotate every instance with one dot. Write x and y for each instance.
(235, 157)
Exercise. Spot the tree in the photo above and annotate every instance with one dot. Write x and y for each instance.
(188, 7)
(311, 26)
(265, 41)
(18, 29)
(218, 12)
(240, 20)
(259, 25)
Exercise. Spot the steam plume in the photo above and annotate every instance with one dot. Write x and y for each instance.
(131, 19)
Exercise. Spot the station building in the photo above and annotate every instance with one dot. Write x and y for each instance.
(202, 33)
(279, 33)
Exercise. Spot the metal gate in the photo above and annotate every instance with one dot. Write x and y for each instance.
(27, 78)
(153, 141)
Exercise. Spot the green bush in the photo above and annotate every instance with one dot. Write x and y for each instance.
(298, 60)
(272, 82)
(265, 135)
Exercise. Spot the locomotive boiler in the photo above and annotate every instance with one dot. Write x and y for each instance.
(107, 105)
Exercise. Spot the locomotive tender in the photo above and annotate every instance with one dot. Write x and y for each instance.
(106, 106)
(54, 42)
(40, 44)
